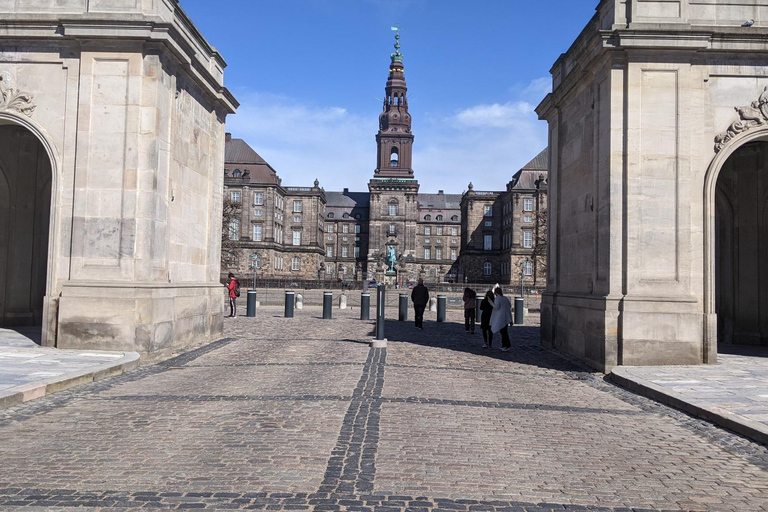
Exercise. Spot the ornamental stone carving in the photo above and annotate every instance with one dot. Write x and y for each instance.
(13, 99)
(750, 116)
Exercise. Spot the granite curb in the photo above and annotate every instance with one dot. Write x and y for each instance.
(754, 430)
(43, 387)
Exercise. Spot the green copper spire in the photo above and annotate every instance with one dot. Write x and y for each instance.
(397, 56)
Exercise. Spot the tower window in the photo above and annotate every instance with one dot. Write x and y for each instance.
(394, 158)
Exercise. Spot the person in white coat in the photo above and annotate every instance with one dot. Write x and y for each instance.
(501, 318)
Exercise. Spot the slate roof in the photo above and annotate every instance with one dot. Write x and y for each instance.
(347, 199)
(237, 151)
(540, 163)
(440, 201)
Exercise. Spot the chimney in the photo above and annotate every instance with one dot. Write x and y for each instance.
(346, 190)
(439, 191)
(227, 137)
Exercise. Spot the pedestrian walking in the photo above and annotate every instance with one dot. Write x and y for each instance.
(420, 298)
(501, 318)
(470, 308)
(486, 310)
(233, 285)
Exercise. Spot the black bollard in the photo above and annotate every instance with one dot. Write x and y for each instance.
(289, 302)
(519, 313)
(365, 306)
(403, 313)
(441, 303)
(327, 305)
(380, 311)
(251, 304)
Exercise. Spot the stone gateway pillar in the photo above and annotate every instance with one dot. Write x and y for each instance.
(657, 218)
(111, 149)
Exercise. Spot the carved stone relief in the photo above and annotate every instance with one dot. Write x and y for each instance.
(13, 99)
(750, 116)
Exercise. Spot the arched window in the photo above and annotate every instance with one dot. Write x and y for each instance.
(330, 215)
(237, 173)
(439, 218)
(487, 268)
(255, 261)
(455, 218)
(394, 157)
(357, 216)
(427, 218)
(393, 207)
(346, 216)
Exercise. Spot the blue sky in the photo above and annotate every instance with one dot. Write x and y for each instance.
(308, 74)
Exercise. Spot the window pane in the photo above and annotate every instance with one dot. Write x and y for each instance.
(235, 197)
(297, 238)
(257, 233)
(297, 206)
(258, 199)
(488, 242)
(234, 229)
(488, 210)
(427, 230)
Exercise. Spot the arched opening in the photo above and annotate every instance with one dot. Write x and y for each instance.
(394, 157)
(25, 211)
(741, 246)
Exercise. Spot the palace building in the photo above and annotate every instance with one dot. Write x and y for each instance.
(307, 233)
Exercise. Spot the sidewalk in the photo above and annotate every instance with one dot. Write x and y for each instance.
(732, 393)
(29, 371)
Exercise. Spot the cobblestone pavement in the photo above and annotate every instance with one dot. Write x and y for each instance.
(300, 414)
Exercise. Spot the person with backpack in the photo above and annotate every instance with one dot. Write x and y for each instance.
(233, 285)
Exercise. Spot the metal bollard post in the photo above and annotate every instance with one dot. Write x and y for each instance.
(251, 304)
(327, 305)
(441, 303)
(380, 312)
(365, 306)
(403, 313)
(289, 300)
(519, 313)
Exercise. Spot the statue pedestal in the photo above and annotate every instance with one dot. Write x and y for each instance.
(390, 277)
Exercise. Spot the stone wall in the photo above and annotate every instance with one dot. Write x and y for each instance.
(133, 125)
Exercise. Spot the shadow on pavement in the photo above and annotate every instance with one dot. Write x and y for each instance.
(526, 348)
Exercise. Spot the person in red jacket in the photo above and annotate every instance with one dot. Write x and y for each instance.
(233, 285)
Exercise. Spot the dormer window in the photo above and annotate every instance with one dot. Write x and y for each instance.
(236, 173)
(330, 215)
(439, 218)
(427, 218)
(394, 157)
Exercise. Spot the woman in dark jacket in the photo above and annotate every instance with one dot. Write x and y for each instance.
(486, 308)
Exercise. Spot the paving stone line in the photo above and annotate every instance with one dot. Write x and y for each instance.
(352, 465)
(357, 502)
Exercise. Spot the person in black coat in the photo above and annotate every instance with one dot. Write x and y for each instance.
(420, 298)
(486, 308)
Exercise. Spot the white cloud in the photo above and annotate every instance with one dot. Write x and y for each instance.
(485, 144)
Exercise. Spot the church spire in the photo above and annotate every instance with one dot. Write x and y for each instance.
(395, 139)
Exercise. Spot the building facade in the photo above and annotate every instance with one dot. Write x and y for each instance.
(504, 233)
(113, 241)
(658, 131)
(434, 236)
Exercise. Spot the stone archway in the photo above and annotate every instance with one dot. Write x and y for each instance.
(25, 212)
(737, 247)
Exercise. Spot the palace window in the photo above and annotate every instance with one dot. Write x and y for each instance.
(235, 196)
(295, 263)
(329, 228)
(394, 157)
(236, 173)
(527, 218)
(279, 263)
(329, 270)
(427, 230)
(258, 199)
(296, 237)
(453, 254)
(439, 218)
(297, 207)
(357, 228)
(393, 209)
(488, 210)
(329, 251)
(297, 219)
(345, 216)
(357, 252)
(454, 231)
(427, 253)
(455, 218)
(427, 218)
(258, 213)
(234, 229)
(255, 261)
(489, 223)
(439, 230)
(528, 239)
(344, 251)
(257, 232)
(345, 228)
(392, 229)
(487, 268)
(488, 242)
(438, 253)
(528, 205)
(527, 268)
